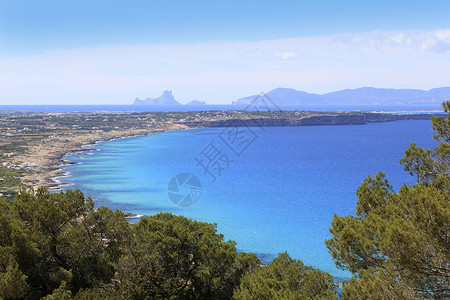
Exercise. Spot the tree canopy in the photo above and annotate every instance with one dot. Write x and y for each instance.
(398, 243)
(174, 257)
(58, 246)
(50, 239)
(286, 278)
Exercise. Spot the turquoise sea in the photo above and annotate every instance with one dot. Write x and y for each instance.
(270, 189)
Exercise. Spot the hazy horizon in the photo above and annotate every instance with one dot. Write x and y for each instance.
(109, 53)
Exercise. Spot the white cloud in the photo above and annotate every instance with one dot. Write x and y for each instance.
(220, 72)
(286, 55)
(437, 41)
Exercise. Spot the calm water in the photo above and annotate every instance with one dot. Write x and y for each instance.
(280, 193)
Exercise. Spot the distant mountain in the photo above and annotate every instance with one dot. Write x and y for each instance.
(284, 96)
(369, 95)
(359, 96)
(196, 103)
(165, 99)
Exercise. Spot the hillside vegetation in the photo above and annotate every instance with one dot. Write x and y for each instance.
(397, 245)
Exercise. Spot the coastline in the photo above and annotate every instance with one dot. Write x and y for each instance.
(50, 160)
(64, 174)
(56, 184)
(37, 151)
(241, 234)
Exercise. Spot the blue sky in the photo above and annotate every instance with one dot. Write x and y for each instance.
(108, 52)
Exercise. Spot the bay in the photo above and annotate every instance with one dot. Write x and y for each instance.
(278, 194)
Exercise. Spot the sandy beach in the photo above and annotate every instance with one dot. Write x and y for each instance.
(48, 155)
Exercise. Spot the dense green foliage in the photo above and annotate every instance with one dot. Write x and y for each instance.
(286, 278)
(10, 176)
(47, 239)
(57, 246)
(398, 244)
(174, 257)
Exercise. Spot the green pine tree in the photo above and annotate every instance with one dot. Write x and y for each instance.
(398, 244)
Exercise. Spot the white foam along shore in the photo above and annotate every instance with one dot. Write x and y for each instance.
(66, 174)
(87, 147)
(66, 161)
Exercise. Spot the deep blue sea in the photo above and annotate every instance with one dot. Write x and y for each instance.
(269, 189)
